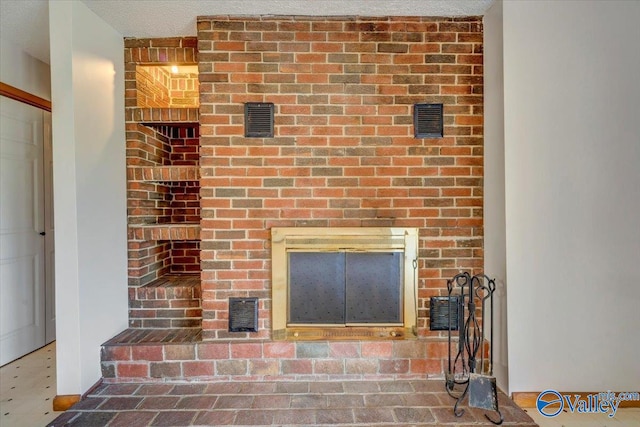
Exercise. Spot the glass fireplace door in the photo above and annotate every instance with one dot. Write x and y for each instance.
(373, 288)
(316, 288)
(345, 288)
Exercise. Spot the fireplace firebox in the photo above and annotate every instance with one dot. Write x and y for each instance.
(343, 283)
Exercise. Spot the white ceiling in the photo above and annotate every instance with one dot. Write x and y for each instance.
(26, 22)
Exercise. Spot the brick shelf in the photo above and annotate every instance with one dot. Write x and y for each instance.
(162, 116)
(155, 232)
(164, 173)
(171, 301)
(135, 336)
(170, 286)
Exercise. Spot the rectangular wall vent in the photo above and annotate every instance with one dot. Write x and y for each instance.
(258, 120)
(441, 310)
(243, 314)
(427, 121)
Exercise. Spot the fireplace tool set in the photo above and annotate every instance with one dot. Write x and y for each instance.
(470, 372)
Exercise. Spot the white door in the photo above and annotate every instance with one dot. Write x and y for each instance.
(22, 220)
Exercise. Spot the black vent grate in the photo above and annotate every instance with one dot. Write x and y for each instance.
(439, 313)
(258, 119)
(427, 121)
(243, 314)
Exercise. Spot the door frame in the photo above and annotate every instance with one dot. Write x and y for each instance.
(24, 97)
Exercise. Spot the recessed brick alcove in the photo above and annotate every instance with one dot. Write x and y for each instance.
(163, 185)
(343, 155)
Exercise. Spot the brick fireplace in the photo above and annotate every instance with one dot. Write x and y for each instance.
(343, 155)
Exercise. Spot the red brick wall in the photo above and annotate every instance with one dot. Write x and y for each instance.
(184, 90)
(152, 84)
(343, 153)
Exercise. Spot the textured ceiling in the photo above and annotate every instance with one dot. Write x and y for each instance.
(26, 23)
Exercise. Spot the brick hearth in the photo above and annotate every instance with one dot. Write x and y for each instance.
(304, 403)
(173, 355)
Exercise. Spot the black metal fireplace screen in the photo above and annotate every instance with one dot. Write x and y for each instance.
(345, 288)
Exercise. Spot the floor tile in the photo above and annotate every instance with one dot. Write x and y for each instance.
(289, 387)
(225, 388)
(89, 403)
(295, 417)
(153, 389)
(445, 415)
(421, 399)
(159, 402)
(215, 418)
(132, 419)
(95, 418)
(118, 389)
(196, 402)
(27, 389)
(345, 401)
(227, 402)
(271, 401)
(174, 418)
(372, 415)
(413, 415)
(335, 416)
(285, 403)
(326, 387)
(308, 401)
(257, 418)
(120, 403)
(377, 400)
(183, 389)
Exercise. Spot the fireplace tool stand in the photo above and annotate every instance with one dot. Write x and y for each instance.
(467, 374)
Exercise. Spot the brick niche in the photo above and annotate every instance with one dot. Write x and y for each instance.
(158, 86)
(163, 189)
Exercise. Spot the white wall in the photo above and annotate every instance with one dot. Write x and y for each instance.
(495, 264)
(23, 71)
(572, 193)
(87, 80)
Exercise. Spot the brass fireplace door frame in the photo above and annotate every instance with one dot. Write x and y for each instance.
(356, 239)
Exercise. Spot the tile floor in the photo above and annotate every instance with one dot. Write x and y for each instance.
(345, 403)
(27, 389)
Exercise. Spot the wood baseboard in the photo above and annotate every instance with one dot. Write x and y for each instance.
(527, 399)
(62, 402)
